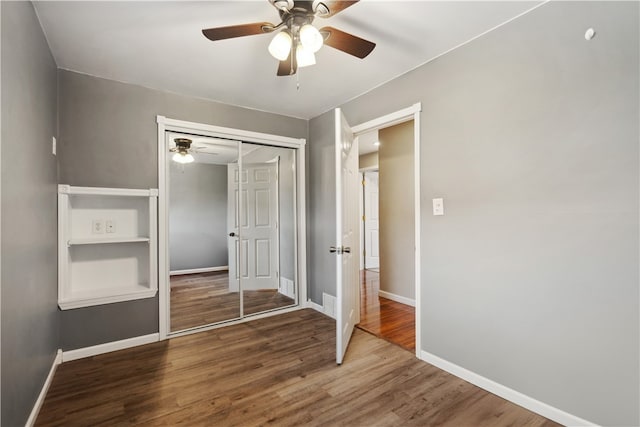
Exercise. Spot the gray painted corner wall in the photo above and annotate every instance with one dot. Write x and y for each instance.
(30, 319)
(530, 134)
(396, 210)
(108, 138)
(197, 216)
(321, 214)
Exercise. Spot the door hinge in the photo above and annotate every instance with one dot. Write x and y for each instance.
(363, 218)
(363, 182)
(364, 253)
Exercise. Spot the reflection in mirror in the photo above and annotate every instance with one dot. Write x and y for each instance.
(267, 244)
(199, 241)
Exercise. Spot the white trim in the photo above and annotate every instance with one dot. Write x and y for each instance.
(388, 120)
(94, 350)
(163, 230)
(124, 294)
(401, 116)
(173, 125)
(417, 224)
(505, 392)
(229, 133)
(315, 306)
(397, 298)
(45, 388)
(198, 270)
(99, 191)
(248, 318)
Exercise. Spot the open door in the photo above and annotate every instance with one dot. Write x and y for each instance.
(347, 238)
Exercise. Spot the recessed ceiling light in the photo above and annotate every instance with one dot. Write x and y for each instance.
(377, 143)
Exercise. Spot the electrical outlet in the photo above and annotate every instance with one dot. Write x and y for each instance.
(97, 226)
(110, 226)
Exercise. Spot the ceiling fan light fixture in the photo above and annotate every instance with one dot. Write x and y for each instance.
(280, 46)
(183, 158)
(305, 57)
(311, 38)
(182, 154)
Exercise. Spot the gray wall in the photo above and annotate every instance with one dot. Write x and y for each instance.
(30, 320)
(108, 138)
(397, 210)
(197, 216)
(321, 214)
(530, 134)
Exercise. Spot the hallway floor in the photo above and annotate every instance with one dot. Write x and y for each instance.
(390, 320)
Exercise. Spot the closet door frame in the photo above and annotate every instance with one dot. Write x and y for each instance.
(173, 125)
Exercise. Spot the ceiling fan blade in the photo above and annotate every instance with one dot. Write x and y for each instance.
(232, 31)
(346, 42)
(331, 7)
(289, 66)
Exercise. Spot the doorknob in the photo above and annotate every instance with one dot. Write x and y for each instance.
(232, 234)
(340, 250)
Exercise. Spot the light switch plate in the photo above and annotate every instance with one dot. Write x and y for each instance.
(438, 206)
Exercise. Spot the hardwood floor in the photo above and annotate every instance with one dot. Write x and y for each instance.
(279, 370)
(204, 298)
(384, 318)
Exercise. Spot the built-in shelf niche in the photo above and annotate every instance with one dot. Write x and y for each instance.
(107, 245)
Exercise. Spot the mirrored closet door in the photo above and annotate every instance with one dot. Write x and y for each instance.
(232, 229)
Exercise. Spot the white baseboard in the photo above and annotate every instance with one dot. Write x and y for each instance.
(199, 270)
(316, 307)
(397, 298)
(505, 392)
(81, 353)
(45, 388)
(325, 309)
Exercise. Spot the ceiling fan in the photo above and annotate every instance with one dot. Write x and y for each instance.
(295, 45)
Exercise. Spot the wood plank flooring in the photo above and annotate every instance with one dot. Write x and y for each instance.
(279, 370)
(393, 321)
(204, 298)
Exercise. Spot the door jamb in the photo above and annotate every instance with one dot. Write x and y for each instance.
(401, 116)
(166, 124)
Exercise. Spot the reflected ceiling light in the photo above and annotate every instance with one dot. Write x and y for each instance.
(304, 56)
(377, 143)
(280, 46)
(181, 150)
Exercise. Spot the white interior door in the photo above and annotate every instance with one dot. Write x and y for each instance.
(371, 220)
(347, 238)
(253, 226)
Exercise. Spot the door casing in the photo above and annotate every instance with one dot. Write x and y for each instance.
(166, 124)
(401, 116)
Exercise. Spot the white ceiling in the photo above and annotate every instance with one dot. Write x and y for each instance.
(160, 45)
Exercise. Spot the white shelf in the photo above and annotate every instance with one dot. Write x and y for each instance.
(96, 267)
(107, 296)
(106, 240)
